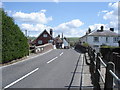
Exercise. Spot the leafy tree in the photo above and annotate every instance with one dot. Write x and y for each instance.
(14, 43)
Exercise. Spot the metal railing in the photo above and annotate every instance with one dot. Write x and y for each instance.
(96, 62)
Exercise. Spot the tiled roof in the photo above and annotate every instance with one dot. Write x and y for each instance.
(58, 40)
(103, 33)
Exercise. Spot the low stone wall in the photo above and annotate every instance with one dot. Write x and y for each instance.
(43, 48)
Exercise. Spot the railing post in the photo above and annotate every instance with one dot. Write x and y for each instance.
(109, 77)
(92, 66)
(93, 53)
(97, 75)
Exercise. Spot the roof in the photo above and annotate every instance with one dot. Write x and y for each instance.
(58, 40)
(103, 33)
(41, 34)
(44, 32)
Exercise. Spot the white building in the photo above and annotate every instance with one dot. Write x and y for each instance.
(65, 44)
(101, 37)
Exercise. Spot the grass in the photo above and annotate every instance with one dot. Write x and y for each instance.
(31, 38)
(73, 39)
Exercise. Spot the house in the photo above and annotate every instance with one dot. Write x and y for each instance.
(58, 42)
(43, 38)
(65, 45)
(101, 37)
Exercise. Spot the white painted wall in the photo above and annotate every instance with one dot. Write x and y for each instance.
(102, 40)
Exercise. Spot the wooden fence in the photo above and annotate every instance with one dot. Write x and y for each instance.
(109, 77)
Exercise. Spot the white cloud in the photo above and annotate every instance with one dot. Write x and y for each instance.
(43, 11)
(56, 1)
(71, 28)
(76, 23)
(104, 11)
(34, 17)
(97, 26)
(33, 28)
(112, 16)
(113, 5)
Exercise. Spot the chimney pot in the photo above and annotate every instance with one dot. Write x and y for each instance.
(51, 32)
(102, 28)
(112, 29)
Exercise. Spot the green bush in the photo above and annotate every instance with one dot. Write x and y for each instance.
(105, 46)
(14, 43)
(85, 44)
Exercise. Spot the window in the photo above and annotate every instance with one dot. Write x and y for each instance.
(115, 39)
(50, 41)
(96, 39)
(107, 39)
(40, 42)
(44, 35)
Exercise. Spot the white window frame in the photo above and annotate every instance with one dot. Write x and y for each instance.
(45, 35)
(115, 39)
(40, 42)
(96, 40)
(107, 39)
(50, 41)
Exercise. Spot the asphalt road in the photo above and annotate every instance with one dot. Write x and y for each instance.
(54, 69)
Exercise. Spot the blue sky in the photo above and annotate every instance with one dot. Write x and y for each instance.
(71, 18)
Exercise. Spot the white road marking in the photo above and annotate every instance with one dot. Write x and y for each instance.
(61, 54)
(52, 60)
(21, 78)
(26, 59)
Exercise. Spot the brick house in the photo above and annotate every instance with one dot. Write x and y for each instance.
(58, 42)
(43, 38)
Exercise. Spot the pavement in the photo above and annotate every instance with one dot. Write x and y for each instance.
(59, 68)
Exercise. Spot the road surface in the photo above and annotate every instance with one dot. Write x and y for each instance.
(55, 69)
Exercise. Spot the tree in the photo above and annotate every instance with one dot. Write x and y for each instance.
(14, 43)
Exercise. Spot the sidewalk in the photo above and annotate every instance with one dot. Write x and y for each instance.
(82, 77)
(86, 77)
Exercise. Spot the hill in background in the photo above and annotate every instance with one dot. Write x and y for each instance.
(73, 40)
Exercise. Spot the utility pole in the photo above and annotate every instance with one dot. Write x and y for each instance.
(62, 36)
(26, 33)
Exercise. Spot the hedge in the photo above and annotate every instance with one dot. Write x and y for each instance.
(14, 43)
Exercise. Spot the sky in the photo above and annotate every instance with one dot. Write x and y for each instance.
(70, 18)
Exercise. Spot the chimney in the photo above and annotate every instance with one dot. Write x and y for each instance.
(112, 29)
(51, 32)
(62, 36)
(102, 28)
(59, 36)
(89, 30)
